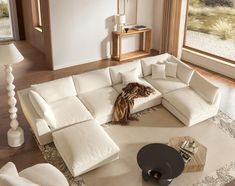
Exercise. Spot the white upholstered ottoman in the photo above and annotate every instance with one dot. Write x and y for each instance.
(85, 146)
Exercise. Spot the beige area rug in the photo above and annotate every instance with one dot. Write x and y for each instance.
(157, 125)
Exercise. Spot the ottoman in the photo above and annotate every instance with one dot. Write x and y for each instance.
(85, 146)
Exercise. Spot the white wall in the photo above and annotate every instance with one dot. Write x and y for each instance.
(145, 12)
(80, 30)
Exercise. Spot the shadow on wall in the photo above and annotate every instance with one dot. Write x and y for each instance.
(105, 48)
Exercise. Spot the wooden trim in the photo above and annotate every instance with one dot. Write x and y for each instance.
(37, 21)
(209, 54)
(186, 22)
(20, 18)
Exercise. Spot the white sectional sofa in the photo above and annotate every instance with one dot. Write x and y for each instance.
(89, 97)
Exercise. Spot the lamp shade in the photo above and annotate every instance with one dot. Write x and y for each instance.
(121, 19)
(9, 54)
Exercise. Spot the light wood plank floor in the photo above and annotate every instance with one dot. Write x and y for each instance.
(33, 70)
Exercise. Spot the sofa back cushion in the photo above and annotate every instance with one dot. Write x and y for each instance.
(116, 71)
(149, 61)
(93, 80)
(204, 88)
(184, 72)
(42, 108)
(55, 90)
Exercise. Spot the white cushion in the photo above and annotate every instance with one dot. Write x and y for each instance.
(145, 102)
(130, 76)
(171, 69)
(158, 71)
(9, 169)
(189, 103)
(184, 72)
(148, 61)
(42, 108)
(56, 90)
(85, 147)
(116, 71)
(100, 103)
(92, 80)
(9, 177)
(203, 87)
(69, 111)
(6, 180)
(44, 174)
(166, 85)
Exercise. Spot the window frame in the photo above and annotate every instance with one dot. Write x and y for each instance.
(37, 14)
(198, 50)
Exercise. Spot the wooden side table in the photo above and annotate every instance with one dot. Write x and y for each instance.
(144, 48)
(198, 160)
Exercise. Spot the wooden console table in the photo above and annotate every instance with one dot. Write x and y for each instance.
(144, 48)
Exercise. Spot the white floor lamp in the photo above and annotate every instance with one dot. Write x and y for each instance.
(10, 55)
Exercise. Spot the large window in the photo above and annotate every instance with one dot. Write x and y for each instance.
(5, 21)
(210, 27)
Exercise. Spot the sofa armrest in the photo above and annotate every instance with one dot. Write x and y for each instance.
(42, 127)
(43, 132)
(218, 99)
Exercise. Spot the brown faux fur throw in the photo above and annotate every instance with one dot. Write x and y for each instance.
(125, 101)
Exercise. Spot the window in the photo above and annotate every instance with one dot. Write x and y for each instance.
(210, 28)
(36, 11)
(6, 32)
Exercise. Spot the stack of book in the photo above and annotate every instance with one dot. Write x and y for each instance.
(187, 150)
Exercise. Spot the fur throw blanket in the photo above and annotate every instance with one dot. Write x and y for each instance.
(125, 101)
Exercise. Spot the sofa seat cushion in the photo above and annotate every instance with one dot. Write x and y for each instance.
(85, 146)
(69, 111)
(145, 102)
(166, 85)
(189, 103)
(100, 103)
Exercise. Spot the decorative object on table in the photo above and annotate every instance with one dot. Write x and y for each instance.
(120, 21)
(160, 162)
(10, 55)
(193, 153)
(187, 150)
(139, 27)
(126, 30)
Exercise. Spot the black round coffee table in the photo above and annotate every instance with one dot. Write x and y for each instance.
(160, 162)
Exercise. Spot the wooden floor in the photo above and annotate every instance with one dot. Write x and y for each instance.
(33, 70)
